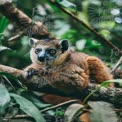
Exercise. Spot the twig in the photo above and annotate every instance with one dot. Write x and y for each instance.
(15, 37)
(59, 105)
(117, 65)
(42, 111)
(8, 81)
(118, 110)
(102, 39)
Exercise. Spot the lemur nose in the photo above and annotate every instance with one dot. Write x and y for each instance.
(41, 58)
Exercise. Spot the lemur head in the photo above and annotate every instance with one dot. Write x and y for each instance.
(49, 52)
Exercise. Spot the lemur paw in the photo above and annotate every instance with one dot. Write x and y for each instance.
(31, 72)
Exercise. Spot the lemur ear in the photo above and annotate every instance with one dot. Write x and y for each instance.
(64, 45)
(33, 42)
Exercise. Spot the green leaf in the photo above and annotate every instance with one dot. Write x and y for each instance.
(102, 112)
(3, 24)
(67, 4)
(73, 110)
(106, 83)
(28, 107)
(34, 100)
(4, 48)
(4, 99)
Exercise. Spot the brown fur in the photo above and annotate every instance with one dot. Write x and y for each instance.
(70, 72)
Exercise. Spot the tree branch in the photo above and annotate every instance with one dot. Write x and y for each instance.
(28, 27)
(102, 39)
(13, 71)
(95, 92)
(117, 65)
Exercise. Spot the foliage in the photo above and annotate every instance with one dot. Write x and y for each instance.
(105, 16)
(107, 115)
(28, 107)
(5, 99)
(3, 25)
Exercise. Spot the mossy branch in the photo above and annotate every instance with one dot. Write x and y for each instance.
(25, 23)
(108, 94)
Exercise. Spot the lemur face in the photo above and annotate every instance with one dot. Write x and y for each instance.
(47, 52)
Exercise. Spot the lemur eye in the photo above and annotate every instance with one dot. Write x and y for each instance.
(52, 51)
(37, 50)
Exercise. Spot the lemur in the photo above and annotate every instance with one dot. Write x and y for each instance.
(55, 63)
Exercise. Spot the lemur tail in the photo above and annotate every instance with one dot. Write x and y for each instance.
(98, 70)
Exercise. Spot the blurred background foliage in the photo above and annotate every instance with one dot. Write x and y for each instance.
(105, 16)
